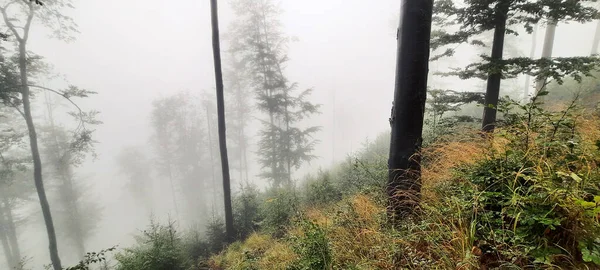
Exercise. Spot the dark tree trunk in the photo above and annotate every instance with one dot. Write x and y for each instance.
(596, 41)
(37, 161)
(412, 67)
(546, 51)
(492, 92)
(221, 116)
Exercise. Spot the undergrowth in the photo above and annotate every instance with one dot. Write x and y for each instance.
(526, 197)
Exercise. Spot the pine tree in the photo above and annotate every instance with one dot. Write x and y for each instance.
(257, 39)
(479, 16)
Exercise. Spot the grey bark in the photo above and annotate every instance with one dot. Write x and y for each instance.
(33, 142)
(596, 41)
(546, 51)
(531, 55)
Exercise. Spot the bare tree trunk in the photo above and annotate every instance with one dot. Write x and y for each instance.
(492, 92)
(408, 110)
(531, 55)
(221, 116)
(546, 51)
(596, 41)
(37, 161)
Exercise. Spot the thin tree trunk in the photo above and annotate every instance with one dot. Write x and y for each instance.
(8, 252)
(408, 110)
(221, 117)
(596, 41)
(173, 189)
(531, 55)
(493, 84)
(37, 161)
(11, 231)
(547, 51)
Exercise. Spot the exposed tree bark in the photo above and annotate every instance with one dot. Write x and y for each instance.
(596, 41)
(221, 116)
(492, 92)
(531, 55)
(412, 67)
(33, 142)
(547, 51)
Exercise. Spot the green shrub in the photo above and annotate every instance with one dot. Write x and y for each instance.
(158, 248)
(320, 190)
(534, 195)
(278, 210)
(246, 211)
(216, 238)
(312, 247)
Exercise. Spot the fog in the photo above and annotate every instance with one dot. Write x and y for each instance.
(134, 52)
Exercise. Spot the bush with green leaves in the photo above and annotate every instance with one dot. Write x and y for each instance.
(246, 211)
(160, 247)
(320, 190)
(536, 194)
(278, 210)
(312, 248)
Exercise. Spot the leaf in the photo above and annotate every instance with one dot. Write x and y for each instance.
(575, 177)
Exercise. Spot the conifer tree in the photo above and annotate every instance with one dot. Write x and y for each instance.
(502, 16)
(258, 40)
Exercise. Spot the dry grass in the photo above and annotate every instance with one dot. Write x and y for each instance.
(443, 157)
(360, 237)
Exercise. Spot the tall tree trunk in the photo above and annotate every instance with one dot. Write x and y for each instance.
(531, 55)
(596, 41)
(37, 161)
(546, 51)
(11, 230)
(6, 246)
(221, 115)
(492, 92)
(408, 110)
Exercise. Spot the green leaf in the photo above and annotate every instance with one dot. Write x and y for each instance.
(575, 177)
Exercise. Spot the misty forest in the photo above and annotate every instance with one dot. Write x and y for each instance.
(287, 134)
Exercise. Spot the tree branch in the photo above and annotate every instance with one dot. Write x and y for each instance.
(29, 20)
(8, 23)
(81, 114)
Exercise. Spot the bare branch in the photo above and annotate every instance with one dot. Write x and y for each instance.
(81, 114)
(8, 23)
